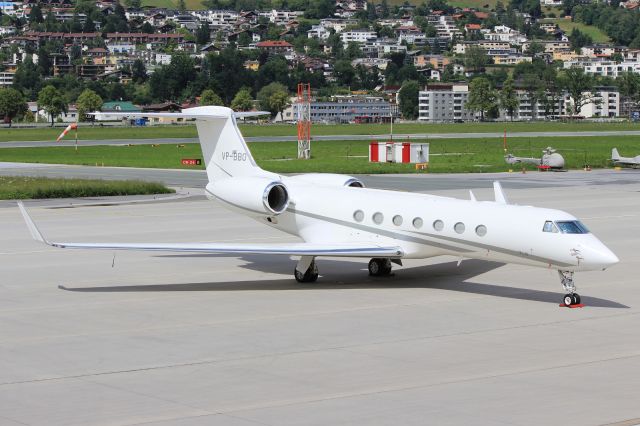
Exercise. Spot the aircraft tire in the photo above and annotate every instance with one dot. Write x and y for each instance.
(310, 276)
(567, 300)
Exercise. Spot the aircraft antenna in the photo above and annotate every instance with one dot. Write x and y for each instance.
(304, 121)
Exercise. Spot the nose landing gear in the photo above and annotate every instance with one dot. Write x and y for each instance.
(572, 298)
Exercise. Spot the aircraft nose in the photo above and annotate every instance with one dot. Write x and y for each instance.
(598, 255)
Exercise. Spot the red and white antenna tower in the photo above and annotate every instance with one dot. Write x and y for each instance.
(304, 120)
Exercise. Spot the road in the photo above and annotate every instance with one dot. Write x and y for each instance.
(400, 137)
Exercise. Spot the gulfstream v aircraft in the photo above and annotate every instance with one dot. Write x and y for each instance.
(336, 216)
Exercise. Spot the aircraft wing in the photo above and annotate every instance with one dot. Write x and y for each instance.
(294, 249)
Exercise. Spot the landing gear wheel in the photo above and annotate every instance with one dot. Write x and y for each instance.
(310, 276)
(572, 298)
(576, 298)
(379, 267)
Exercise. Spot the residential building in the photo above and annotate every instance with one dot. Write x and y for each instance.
(437, 62)
(602, 50)
(318, 31)
(604, 68)
(504, 34)
(347, 109)
(460, 48)
(6, 78)
(276, 47)
(357, 36)
(549, 46)
(606, 103)
(440, 102)
(338, 25)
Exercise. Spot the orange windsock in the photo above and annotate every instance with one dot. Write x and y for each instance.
(72, 126)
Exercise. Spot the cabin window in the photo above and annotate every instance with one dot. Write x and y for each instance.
(417, 223)
(397, 220)
(481, 230)
(358, 215)
(459, 227)
(378, 218)
(572, 227)
(549, 227)
(438, 225)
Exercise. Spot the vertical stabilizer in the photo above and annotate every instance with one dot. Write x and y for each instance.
(225, 152)
(615, 156)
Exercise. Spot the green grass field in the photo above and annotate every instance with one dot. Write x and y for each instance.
(447, 155)
(89, 132)
(478, 4)
(595, 33)
(173, 4)
(22, 187)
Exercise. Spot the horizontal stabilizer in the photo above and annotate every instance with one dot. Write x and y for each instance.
(293, 249)
(197, 113)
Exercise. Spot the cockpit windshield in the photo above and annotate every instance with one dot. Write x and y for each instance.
(572, 227)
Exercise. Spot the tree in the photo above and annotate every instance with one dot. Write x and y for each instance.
(273, 97)
(482, 97)
(629, 86)
(182, 6)
(11, 104)
(243, 100)
(579, 85)
(475, 58)
(509, 98)
(203, 34)
(209, 97)
(579, 39)
(35, 16)
(408, 99)
(279, 101)
(52, 101)
(138, 71)
(88, 101)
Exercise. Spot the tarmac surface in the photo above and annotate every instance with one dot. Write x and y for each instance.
(160, 339)
(410, 182)
(400, 137)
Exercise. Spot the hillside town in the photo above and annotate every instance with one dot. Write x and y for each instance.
(366, 62)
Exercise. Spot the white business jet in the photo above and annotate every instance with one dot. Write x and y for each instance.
(336, 216)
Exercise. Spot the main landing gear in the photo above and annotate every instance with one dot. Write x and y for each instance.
(379, 267)
(571, 298)
(308, 265)
(306, 270)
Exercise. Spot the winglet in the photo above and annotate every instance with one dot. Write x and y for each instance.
(35, 232)
(472, 196)
(499, 193)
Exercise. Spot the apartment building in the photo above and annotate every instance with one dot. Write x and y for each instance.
(347, 109)
(604, 68)
(440, 102)
(357, 36)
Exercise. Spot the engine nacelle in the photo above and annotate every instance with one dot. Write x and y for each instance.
(329, 179)
(258, 194)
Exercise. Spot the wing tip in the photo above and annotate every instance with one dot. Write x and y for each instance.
(33, 229)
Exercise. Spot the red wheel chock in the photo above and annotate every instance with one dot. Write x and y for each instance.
(577, 305)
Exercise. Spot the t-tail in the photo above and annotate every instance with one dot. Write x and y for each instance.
(225, 153)
(234, 177)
